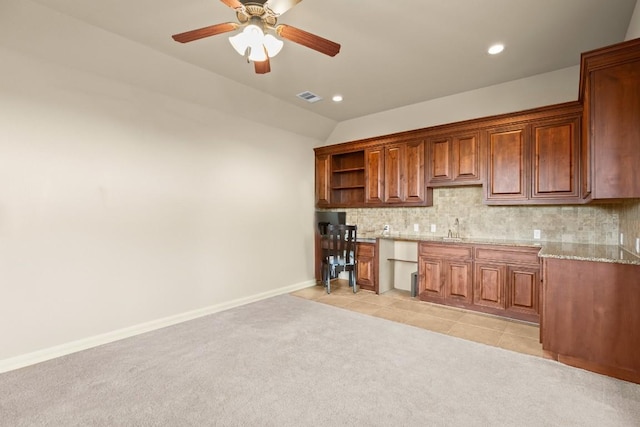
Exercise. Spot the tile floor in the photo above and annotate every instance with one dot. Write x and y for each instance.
(399, 306)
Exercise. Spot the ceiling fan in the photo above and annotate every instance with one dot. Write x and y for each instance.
(259, 18)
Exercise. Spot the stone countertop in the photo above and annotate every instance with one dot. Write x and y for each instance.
(559, 250)
(588, 252)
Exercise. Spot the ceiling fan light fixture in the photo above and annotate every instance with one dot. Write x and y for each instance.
(239, 43)
(273, 45)
(257, 54)
(251, 36)
(254, 34)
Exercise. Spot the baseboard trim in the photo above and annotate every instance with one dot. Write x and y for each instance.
(94, 341)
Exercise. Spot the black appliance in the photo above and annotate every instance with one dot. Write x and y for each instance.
(325, 218)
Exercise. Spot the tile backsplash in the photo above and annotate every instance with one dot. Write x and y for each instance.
(576, 224)
(630, 224)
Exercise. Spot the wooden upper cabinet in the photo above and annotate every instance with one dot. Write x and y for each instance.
(555, 146)
(394, 173)
(507, 160)
(567, 153)
(537, 161)
(347, 179)
(404, 174)
(611, 87)
(414, 185)
(454, 160)
(323, 180)
(440, 168)
(374, 175)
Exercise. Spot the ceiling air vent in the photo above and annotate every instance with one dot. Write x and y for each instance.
(309, 96)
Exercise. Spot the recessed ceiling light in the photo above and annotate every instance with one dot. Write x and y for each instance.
(337, 98)
(496, 49)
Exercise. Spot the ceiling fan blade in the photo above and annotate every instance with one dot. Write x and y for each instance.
(309, 40)
(262, 67)
(233, 4)
(201, 33)
(278, 7)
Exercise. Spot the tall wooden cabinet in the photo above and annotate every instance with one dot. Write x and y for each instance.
(610, 91)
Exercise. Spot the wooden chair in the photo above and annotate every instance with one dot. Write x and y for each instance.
(339, 254)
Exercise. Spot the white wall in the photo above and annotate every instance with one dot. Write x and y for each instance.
(537, 91)
(120, 206)
(633, 31)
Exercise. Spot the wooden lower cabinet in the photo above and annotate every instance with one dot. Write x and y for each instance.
(366, 266)
(430, 279)
(445, 280)
(523, 292)
(501, 280)
(445, 273)
(458, 276)
(591, 318)
(489, 285)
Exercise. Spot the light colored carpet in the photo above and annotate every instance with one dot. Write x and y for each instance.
(287, 361)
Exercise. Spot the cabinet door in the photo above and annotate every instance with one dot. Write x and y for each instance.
(365, 271)
(489, 285)
(323, 180)
(506, 164)
(555, 159)
(430, 279)
(414, 191)
(458, 281)
(374, 169)
(523, 288)
(466, 159)
(585, 147)
(440, 151)
(393, 173)
(454, 160)
(615, 127)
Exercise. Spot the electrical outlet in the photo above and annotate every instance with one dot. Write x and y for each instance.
(621, 239)
(416, 227)
(433, 228)
(536, 234)
(638, 245)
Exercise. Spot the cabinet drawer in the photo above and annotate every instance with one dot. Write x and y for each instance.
(366, 249)
(436, 250)
(508, 255)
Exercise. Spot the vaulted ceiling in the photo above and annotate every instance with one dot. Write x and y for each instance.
(394, 53)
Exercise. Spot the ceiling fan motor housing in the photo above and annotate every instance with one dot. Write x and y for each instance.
(254, 10)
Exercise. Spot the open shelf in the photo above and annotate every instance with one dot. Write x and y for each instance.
(347, 178)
